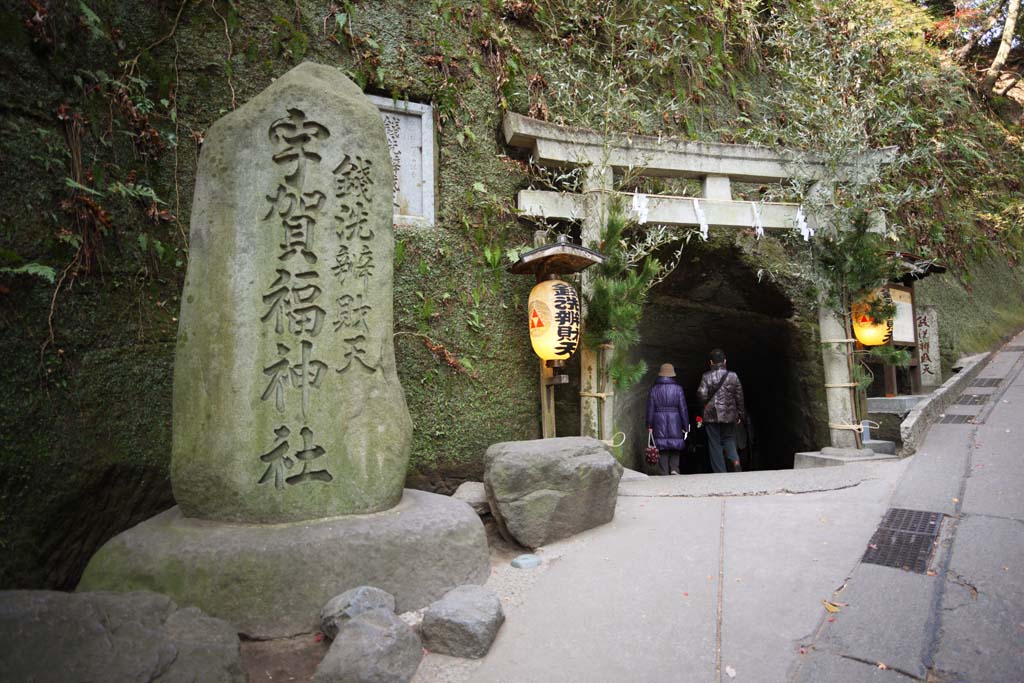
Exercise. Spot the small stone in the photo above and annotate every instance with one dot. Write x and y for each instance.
(351, 603)
(413, 618)
(463, 623)
(373, 646)
(528, 561)
(473, 492)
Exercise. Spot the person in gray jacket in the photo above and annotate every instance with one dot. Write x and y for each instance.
(722, 395)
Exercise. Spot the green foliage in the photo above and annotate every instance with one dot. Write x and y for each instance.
(619, 290)
(852, 264)
(289, 41)
(92, 22)
(847, 76)
(36, 269)
(890, 355)
(642, 65)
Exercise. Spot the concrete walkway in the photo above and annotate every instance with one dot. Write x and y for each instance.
(723, 577)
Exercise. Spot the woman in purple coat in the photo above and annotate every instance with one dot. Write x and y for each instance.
(667, 419)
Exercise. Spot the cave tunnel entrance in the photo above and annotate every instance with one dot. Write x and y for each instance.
(715, 300)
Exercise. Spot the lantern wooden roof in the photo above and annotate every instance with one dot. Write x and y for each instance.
(559, 258)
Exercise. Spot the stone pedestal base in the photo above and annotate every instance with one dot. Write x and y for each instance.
(828, 457)
(270, 581)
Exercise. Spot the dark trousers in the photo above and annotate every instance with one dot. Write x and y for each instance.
(721, 435)
(668, 461)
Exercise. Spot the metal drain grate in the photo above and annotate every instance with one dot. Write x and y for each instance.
(986, 382)
(916, 521)
(957, 419)
(904, 540)
(971, 399)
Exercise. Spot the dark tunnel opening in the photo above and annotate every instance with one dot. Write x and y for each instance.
(715, 300)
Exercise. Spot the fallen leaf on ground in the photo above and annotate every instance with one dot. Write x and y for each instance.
(830, 606)
(730, 671)
(831, 620)
(932, 572)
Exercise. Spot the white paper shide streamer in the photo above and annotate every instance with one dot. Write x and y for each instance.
(758, 227)
(806, 231)
(640, 208)
(701, 218)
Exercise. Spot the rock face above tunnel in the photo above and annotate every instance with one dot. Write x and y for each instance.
(548, 489)
(287, 405)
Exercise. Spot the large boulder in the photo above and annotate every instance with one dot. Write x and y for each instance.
(463, 623)
(372, 647)
(351, 603)
(49, 636)
(544, 490)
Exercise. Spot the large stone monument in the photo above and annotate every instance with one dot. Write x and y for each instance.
(291, 433)
(286, 401)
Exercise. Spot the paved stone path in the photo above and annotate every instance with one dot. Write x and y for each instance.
(723, 577)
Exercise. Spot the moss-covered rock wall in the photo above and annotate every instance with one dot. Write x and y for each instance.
(104, 105)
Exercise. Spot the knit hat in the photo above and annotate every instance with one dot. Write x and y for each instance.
(667, 370)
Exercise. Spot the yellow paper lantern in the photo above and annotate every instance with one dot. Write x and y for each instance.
(866, 329)
(554, 315)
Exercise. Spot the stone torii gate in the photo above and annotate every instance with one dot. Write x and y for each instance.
(717, 165)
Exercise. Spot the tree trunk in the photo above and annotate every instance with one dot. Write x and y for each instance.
(992, 75)
(961, 53)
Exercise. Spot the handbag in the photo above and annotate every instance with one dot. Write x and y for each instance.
(652, 451)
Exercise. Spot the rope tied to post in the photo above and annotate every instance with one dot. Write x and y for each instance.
(871, 424)
(611, 442)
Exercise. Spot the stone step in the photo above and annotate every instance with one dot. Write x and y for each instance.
(830, 457)
(881, 447)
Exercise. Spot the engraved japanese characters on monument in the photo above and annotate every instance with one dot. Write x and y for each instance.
(287, 406)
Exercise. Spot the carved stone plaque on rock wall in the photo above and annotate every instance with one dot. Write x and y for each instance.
(409, 127)
(928, 352)
(287, 406)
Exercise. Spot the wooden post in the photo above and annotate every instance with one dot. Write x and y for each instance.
(547, 385)
(596, 406)
(835, 349)
(547, 402)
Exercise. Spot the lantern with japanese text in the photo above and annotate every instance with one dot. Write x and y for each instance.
(870, 324)
(554, 316)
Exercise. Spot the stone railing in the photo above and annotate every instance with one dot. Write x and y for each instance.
(931, 407)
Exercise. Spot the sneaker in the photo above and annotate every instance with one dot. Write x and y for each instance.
(736, 466)
(673, 472)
